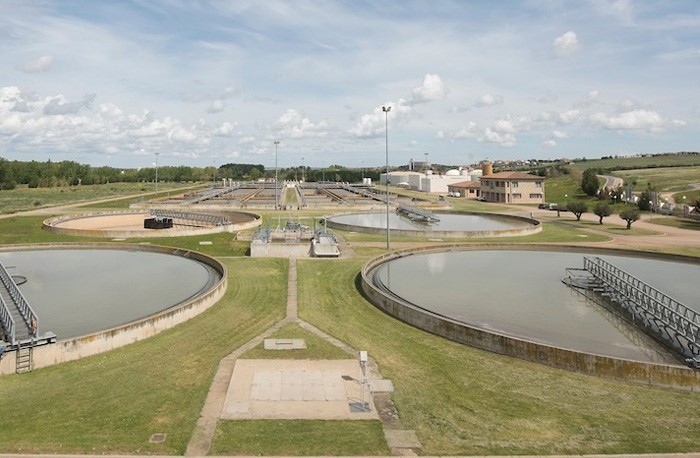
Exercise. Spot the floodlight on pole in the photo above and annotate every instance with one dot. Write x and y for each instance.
(386, 130)
(276, 142)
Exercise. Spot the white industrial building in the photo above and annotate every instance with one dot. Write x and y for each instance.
(430, 182)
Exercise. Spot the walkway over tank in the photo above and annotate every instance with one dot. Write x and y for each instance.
(18, 320)
(651, 310)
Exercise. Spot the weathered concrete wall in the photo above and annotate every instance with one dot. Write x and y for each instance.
(677, 377)
(533, 229)
(130, 224)
(79, 347)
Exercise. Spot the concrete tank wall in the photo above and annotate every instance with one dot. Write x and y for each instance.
(101, 224)
(80, 347)
(676, 377)
(533, 229)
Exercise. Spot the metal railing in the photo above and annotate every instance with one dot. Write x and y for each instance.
(654, 311)
(8, 324)
(25, 310)
(417, 212)
(212, 220)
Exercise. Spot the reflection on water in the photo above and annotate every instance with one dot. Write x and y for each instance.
(448, 222)
(520, 293)
(78, 292)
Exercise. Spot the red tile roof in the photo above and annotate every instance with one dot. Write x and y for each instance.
(465, 184)
(511, 176)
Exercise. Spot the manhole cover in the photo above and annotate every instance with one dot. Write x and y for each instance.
(157, 438)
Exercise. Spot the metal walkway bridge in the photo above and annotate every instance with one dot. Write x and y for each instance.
(20, 325)
(417, 214)
(191, 219)
(654, 312)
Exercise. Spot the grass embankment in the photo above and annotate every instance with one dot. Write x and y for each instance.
(462, 401)
(23, 198)
(623, 163)
(690, 224)
(674, 179)
(300, 438)
(113, 402)
(27, 229)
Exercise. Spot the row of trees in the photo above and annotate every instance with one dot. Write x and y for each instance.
(68, 173)
(602, 210)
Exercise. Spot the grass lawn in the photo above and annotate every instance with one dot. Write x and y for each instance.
(316, 347)
(465, 401)
(113, 402)
(300, 438)
(23, 198)
(640, 162)
(662, 179)
(693, 225)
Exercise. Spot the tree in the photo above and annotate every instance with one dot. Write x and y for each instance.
(601, 210)
(630, 214)
(577, 208)
(589, 182)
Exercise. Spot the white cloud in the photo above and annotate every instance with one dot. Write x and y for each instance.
(216, 106)
(225, 129)
(373, 124)
(432, 89)
(632, 120)
(549, 143)
(468, 131)
(488, 100)
(42, 64)
(559, 134)
(60, 106)
(565, 45)
(501, 138)
(295, 125)
(569, 116)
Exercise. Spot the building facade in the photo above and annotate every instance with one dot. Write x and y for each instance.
(512, 188)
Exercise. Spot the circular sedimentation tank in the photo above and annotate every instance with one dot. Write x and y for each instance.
(77, 292)
(130, 224)
(449, 224)
(511, 300)
(101, 296)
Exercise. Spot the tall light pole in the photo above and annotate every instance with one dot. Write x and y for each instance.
(276, 142)
(386, 111)
(157, 174)
(302, 169)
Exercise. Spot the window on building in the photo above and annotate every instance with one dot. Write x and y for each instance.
(535, 196)
(517, 195)
(538, 184)
(514, 184)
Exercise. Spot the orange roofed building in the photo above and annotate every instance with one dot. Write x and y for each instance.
(512, 188)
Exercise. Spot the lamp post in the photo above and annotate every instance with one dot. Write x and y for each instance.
(386, 130)
(302, 169)
(157, 174)
(276, 142)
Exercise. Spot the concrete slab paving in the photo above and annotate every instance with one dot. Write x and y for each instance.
(402, 438)
(295, 389)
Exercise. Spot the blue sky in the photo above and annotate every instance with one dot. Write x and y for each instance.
(209, 82)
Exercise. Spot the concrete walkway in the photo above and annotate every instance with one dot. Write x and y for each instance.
(402, 442)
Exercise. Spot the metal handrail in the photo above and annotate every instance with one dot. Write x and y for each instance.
(21, 303)
(8, 323)
(643, 297)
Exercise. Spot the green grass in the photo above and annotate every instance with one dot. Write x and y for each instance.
(23, 198)
(113, 402)
(690, 224)
(663, 179)
(612, 229)
(463, 401)
(316, 347)
(27, 229)
(640, 162)
(300, 438)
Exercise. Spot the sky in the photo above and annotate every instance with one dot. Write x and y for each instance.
(205, 83)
